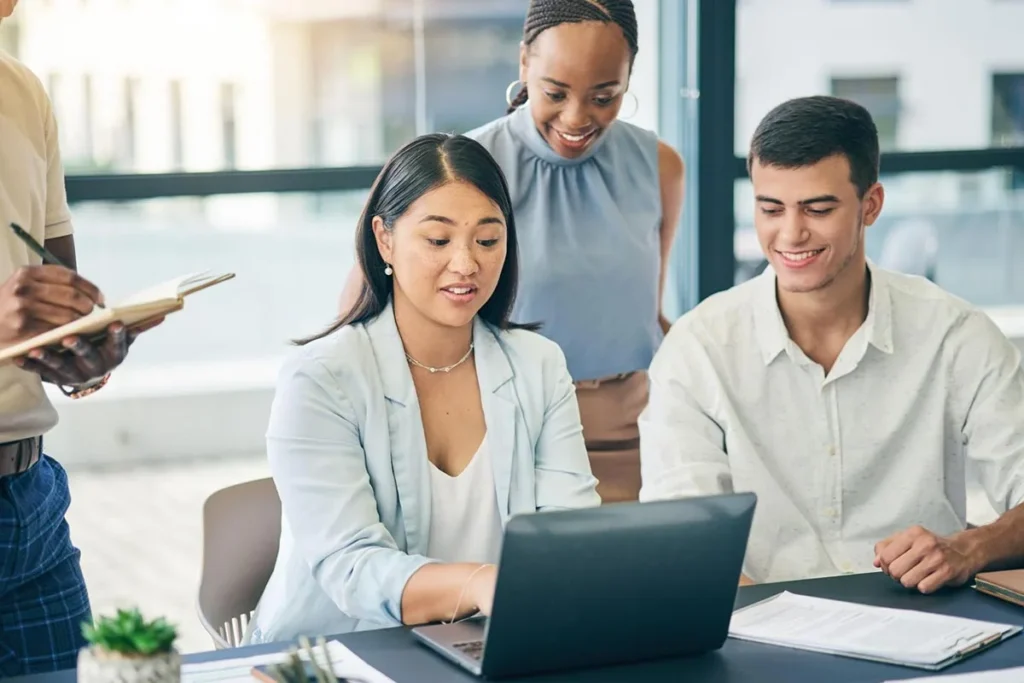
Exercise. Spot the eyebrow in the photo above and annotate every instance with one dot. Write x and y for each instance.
(822, 198)
(606, 84)
(433, 218)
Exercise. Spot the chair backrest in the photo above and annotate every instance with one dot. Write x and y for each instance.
(241, 533)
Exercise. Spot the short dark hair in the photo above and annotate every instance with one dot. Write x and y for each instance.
(426, 163)
(803, 131)
(545, 14)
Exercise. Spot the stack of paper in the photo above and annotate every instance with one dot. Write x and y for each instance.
(904, 637)
(345, 663)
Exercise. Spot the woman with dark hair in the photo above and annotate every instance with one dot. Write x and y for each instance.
(597, 201)
(403, 437)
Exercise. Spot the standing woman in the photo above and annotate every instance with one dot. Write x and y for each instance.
(596, 201)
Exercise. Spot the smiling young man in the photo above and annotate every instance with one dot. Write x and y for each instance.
(848, 397)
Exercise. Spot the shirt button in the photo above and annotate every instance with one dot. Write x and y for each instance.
(832, 451)
(847, 568)
(830, 512)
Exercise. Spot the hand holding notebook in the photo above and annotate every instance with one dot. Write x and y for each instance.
(134, 313)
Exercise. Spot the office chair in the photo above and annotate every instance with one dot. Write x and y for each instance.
(241, 532)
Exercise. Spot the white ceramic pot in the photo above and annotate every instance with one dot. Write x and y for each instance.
(99, 666)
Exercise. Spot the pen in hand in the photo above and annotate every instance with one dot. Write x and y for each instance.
(39, 249)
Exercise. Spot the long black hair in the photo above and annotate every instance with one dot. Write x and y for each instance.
(422, 165)
(545, 14)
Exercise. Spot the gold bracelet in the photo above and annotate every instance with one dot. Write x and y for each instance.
(83, 390)
(462, 593)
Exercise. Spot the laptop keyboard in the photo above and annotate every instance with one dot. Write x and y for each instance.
(474, 649)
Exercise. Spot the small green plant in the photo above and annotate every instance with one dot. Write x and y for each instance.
(128, 633)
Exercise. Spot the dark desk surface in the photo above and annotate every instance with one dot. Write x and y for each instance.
(397, 654)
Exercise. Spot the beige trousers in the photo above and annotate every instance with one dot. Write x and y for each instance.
(609, 409)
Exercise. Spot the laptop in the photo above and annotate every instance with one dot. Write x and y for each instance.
(615, 584)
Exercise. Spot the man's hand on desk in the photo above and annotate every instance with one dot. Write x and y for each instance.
(920, 559)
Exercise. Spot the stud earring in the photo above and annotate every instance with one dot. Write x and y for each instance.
(387, 269)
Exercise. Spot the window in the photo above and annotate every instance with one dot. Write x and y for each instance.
(228, 125)
(177, 133)
(126, 147)
(960, 228)
(1008, 110)
(880, 96)
(88, 121)
(941, 102)
(264, 85)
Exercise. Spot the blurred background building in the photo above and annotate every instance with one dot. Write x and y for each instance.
(243, 135)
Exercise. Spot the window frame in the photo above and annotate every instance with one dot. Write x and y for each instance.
(696, 84)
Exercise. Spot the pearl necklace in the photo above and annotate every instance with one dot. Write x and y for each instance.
(448, 368)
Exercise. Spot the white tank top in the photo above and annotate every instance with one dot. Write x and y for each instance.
(464, 522)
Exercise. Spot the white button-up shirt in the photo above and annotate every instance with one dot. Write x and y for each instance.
(838, 462)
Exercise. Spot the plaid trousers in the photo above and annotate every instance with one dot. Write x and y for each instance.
(43, 599)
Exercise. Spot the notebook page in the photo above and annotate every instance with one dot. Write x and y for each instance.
(848, 628)
(1014, 675)
(165, 291)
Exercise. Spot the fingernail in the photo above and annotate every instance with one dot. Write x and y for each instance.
(35, 355)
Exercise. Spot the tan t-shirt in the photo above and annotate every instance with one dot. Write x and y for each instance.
(32, 195)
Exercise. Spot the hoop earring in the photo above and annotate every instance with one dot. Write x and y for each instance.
(636, 106)
(508, 91)
(387, 269)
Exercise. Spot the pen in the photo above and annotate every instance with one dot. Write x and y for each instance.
(39, 249)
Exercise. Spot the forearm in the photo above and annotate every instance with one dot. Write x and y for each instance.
(994, 545)
(433, 593)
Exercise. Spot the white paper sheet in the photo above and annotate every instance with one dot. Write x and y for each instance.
(832, 626)
(1014, 675)
(345, 663)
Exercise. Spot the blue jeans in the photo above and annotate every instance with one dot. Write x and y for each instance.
(43, 599)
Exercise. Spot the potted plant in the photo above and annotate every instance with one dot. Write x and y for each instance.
(128, 649)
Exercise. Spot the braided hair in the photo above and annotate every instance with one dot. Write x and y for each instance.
(545, 14)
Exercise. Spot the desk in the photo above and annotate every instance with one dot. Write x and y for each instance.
(397, 654)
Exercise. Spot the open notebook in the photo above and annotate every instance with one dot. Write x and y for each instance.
(136, 310)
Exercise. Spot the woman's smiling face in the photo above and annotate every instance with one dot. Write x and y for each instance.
(576, 75)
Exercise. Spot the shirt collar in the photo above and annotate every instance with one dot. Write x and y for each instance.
(773, 337)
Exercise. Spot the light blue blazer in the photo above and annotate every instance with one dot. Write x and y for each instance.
(349, 459)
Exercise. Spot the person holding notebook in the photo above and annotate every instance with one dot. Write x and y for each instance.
(43, 598)
(597, 200)
(403, 437)
(849, 397)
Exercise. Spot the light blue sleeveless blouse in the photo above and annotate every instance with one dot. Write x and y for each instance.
(589, 241)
